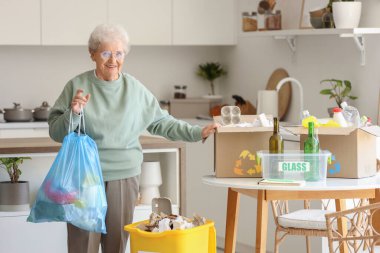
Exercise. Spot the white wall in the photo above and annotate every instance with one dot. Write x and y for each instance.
(32, 74)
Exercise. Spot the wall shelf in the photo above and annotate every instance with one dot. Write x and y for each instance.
(357, 34)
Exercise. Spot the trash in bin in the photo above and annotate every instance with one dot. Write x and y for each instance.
(201, 239)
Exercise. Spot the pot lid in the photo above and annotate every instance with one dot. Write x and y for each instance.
(45, 106)
(16, 107)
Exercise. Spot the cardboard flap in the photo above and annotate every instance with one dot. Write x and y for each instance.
(243, 119)
(243, 129)
(323, 130)
(374, 130)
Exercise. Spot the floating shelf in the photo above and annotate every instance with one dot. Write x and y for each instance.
(291, 36)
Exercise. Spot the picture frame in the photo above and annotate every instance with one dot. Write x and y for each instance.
(306, 7)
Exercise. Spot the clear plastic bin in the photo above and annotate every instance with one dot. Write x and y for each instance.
(201, 239)
(294, 165)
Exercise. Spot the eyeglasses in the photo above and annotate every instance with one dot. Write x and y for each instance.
(119, 55)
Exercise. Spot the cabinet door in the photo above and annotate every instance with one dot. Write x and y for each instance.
(148, 22)
(20, 22)
(70, 22)
(200, 22)
(17, 235)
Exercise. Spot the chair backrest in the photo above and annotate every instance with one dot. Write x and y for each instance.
(360, 234)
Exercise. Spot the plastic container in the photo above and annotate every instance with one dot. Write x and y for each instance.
(338, 117)
(351, 115)
(230, 115)
(201, 239)
(294, 165)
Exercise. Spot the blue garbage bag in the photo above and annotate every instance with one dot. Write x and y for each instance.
(73, 190)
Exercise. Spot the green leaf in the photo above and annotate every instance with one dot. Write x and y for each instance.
(347, 84)
(345, 92)
(338, 83)
(326, 92)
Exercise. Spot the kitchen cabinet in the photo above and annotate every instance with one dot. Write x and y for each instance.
(70, 22)
(17, 234)
(20, 22)
(199, 22)
(148, 22)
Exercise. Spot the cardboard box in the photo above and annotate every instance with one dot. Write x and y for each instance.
(353, 149)
(235, 149)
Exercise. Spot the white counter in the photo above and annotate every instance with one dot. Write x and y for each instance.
(23, 125)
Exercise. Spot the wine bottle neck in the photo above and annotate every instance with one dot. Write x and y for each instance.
(275, 126)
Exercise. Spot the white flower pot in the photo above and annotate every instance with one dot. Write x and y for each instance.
(346, 14)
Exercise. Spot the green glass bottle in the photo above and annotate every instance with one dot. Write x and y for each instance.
(276, 143)
(311, 146)
(276, 146)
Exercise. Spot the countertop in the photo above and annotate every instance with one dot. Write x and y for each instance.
(47, 145)
(23, 125)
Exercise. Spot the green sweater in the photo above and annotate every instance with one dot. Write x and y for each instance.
(117, 113)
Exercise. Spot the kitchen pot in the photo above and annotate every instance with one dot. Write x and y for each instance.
(42, 113)
(17, 114)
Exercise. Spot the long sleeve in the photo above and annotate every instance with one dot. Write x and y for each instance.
(59, 117)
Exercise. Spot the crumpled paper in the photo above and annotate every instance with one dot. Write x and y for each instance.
(163, 222)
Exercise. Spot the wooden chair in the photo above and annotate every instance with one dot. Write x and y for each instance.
(303, 222)
(360, 234)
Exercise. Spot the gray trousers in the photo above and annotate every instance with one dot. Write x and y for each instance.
(121, 199)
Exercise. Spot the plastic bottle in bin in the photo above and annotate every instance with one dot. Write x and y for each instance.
(338, 117)
(351, 115)
(311, 146)
(276, 146)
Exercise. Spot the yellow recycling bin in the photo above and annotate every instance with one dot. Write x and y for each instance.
(201, 239)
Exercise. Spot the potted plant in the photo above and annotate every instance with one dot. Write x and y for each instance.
(339, 91)
(211, 71)
(346, 13)
(14, 194)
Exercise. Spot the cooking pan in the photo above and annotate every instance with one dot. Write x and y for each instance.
(42, 113)
(17, 114)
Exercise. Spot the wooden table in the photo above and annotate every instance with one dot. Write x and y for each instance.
(333, 188)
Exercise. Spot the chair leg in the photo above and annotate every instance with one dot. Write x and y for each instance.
(307, 244)
(277, 241)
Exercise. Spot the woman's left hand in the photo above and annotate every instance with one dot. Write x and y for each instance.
(209, 129)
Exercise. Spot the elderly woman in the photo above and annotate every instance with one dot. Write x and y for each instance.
(118, 108)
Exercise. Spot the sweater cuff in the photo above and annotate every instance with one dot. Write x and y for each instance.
(197, 133)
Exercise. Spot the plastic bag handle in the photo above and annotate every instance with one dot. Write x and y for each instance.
(81, 115)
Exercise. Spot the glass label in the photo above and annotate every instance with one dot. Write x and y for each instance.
(294, 166)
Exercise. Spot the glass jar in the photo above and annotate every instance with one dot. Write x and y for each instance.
(180, 91)
(273, 20)
(249, 21)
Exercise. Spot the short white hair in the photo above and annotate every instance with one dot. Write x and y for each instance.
(108, 33)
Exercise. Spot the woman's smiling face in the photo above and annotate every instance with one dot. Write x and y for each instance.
(109, 59)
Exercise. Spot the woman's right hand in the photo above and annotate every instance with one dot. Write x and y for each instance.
(79, 101)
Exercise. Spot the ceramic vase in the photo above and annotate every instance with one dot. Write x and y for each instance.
(150, 180)
(346, 14)
(14, 196)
